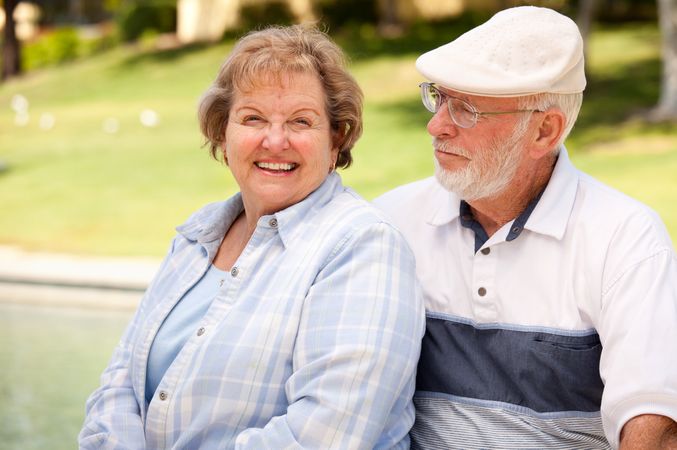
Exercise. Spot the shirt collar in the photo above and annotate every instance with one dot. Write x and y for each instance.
(290, 219)
(208, 226)
(551, 214)
(446, 205)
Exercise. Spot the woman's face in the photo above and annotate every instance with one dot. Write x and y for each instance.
(279, 143)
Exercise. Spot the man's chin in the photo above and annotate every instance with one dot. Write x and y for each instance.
(451, 181)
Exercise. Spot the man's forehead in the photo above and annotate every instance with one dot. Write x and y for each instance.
(478, 99)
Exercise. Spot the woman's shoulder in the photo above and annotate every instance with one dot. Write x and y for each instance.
(349, 210)
(212, 218)
(347, 218)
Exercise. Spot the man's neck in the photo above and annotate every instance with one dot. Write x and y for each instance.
(494, 212)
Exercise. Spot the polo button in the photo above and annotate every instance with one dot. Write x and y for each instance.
(486, 251)
(482, 291)
(273, 223)
(516, 229)
(163, 396)
(234, 271)
(201, 331)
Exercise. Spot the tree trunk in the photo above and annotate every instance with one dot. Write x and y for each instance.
(11, 47)
(389, 19)
(586, 13)
(667, 103)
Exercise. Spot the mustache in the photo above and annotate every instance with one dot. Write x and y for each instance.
(448, 147)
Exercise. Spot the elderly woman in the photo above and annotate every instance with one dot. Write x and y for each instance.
(287, 316)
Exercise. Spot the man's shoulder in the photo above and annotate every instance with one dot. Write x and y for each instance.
(609, 201)
(619, 217)
(415, 192)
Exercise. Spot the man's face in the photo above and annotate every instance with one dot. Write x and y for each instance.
(478, 162)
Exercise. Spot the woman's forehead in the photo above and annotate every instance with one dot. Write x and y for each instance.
(256, 81)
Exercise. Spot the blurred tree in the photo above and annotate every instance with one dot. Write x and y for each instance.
(337, 14)
(146, 16)
(73, 12)
(584, 18)
(389, 23)
(586, 13)
(667, 103)
(11, 47)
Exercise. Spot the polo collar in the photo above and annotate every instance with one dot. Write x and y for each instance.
(446, 205)
(550, 214)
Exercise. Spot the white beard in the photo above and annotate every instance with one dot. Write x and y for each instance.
(488, 173)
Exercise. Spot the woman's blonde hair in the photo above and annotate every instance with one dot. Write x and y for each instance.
(278, 52)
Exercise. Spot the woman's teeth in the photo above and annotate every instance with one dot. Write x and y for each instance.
(275, 166)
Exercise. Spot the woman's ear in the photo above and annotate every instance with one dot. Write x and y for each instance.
(550, 129)
(334, 158)
(222, 146)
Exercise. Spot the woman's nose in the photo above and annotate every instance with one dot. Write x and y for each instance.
(276, 138)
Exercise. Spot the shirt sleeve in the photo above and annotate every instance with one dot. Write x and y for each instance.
(356, 351)
(639, 332)
(112, 413)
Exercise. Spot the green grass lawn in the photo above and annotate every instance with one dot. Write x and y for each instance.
(76, 188)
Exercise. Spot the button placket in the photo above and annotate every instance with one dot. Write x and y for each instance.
(483, 282)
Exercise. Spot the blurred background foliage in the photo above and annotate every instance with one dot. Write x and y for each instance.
(100, 151)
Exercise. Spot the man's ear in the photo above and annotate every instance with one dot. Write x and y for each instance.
(550, 129)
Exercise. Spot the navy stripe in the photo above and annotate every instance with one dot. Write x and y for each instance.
(545, 372)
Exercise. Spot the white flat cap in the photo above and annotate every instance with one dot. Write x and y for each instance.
(519, 51)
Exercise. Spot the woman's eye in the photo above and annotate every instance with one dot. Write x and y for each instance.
(302, 121)
(252, 119)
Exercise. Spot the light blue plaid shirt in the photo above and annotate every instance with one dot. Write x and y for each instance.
(312, 344)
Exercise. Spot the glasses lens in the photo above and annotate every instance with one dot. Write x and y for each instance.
(462, 113)
(430, 97)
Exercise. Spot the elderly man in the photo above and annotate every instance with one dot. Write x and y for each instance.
(551, 298)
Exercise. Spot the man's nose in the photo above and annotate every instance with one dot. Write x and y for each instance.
(440, 124)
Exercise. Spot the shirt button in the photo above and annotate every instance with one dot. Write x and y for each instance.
(234, 271)
(482, 291)
(201, 331)
(516, 229)
(486, 251)
(273, 223)
(163, 396)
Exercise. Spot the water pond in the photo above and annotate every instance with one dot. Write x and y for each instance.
(50, 361)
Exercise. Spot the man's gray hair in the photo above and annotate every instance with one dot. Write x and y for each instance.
(569, 104)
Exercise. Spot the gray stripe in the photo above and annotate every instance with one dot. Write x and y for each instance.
(445, 424)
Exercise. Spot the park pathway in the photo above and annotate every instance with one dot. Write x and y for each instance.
(40, 278)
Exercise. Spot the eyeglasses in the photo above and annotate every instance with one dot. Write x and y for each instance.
(461, 112)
